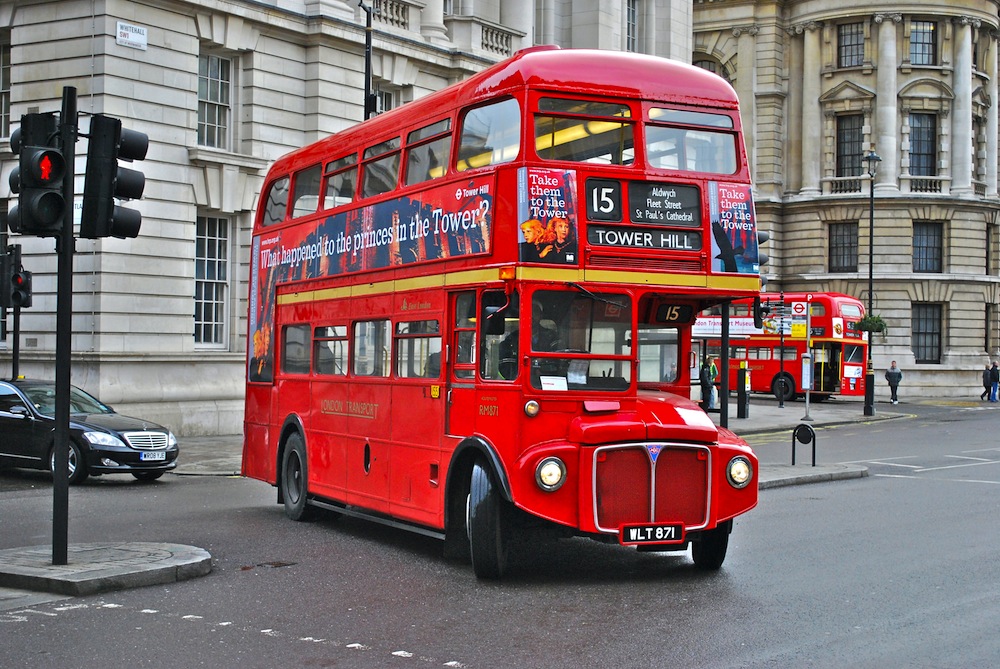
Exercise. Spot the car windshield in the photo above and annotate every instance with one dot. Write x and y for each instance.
(44, 399)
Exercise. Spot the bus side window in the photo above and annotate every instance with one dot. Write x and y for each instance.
(371, 348)
(330, 350)
(418, 349)
(465, 335)
(429, 159)
(305, 199)
(380, 173)
(295, 349)
(277, 202)
(341, 181)
(490, 135)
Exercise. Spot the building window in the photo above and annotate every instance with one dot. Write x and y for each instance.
(632, 25)
(214, 101)
(928, 246)
(4, 90)
(386, 98)
(927, 333)
(843, 247)
(211, 281)
(849, 144)
(923, 43)
(990, 340)
(850, 45)
(923, 144)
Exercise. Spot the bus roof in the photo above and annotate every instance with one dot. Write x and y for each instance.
(584, 71)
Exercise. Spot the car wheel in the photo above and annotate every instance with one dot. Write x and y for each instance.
(710, 551)
(147, 476)
(294, 480)
(488, 524)
(77, 465)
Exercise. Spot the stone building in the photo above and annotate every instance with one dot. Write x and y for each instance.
(223, 87)
(822, 85)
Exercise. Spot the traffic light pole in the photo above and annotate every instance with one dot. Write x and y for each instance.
(64, 336)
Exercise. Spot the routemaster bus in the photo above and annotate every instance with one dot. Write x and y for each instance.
(774, 352)
(466, 313)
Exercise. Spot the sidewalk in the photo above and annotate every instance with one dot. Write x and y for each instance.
(27, 576)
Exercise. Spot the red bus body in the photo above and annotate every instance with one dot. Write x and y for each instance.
(395, 369)
(839, 350)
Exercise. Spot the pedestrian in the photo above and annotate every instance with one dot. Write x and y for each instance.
(987, 383)
(707, 380)
(994, 381)
(894, 376)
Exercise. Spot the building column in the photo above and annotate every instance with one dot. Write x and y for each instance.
(519, 15)
(961, 119)
(432, 22)
(812, 120)
(746, 78)
(992, 117)
(886, 131)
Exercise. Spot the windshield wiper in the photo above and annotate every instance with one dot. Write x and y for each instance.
(596, 297)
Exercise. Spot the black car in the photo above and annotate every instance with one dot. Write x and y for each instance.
(101, 441)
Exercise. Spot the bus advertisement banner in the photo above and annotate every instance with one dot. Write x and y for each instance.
(547, 215)
(734, 228)
(445, 222)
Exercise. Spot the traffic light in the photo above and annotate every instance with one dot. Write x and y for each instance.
(105, 180)
(15, 283)
(760, 311)
(38, 179)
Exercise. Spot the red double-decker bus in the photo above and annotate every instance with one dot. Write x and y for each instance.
(466, 313)
(774, 352)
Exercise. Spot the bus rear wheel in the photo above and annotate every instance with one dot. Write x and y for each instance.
(294, 480)
(488, 524)
(787, 387)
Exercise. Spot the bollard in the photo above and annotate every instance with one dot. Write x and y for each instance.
(804, 434)
(743, 391)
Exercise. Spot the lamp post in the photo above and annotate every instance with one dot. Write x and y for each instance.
(872, 159)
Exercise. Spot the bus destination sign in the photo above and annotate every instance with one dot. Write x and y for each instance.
(644, 238)
(664, 204)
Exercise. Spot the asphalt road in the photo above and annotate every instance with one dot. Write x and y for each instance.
(895, 570)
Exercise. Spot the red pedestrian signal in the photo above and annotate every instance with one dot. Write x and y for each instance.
(20, 289)
(38, 179)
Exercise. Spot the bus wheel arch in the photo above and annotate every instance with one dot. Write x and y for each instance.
(293, 472)
(458, 487)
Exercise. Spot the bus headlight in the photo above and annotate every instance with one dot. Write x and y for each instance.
(739, 472)
(550, 474)
(531, 408)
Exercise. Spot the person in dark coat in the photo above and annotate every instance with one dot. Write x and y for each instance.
(994, 381)
(987, 384)
(893, 376)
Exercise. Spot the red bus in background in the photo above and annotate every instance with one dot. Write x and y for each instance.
(466, 313)
(839, 350)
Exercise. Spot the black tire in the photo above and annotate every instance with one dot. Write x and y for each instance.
(147, 476)
(487, 518)
(294, 480)
(77, 464)
(789, 387)
(710, 551)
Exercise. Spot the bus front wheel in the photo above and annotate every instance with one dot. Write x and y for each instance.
(294, 478)
(783, 387)
(487, 520)
(710, 551)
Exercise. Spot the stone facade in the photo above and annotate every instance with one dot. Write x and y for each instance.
(297, 74)
(821, 75)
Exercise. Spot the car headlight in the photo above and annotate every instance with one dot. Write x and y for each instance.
(739, 472)
(550, 474)
(171, 440)
(103, 439)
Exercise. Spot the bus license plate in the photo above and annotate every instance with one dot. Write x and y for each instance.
(651, 534)
(153, 455)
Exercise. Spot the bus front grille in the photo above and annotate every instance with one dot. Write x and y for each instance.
(631, 487)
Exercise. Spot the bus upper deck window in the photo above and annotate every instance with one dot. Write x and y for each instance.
(277, 203)
(427, 155)
(341, 181)
(584, 131)
(490, 135)
(305, 200)
(691, 149)
(381, 174)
